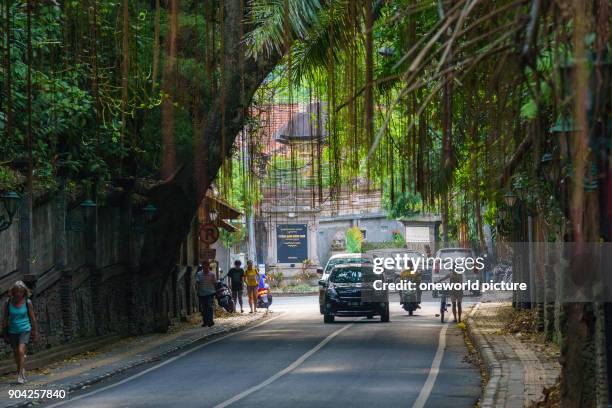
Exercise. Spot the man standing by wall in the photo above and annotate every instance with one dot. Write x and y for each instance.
(206, 282)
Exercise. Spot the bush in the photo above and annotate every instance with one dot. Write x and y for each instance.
(276, 278)
(306, 275)
(398, 238)
(354, 239)
(368, 246)
(301, 288)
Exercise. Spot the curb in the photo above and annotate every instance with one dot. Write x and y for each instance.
(293, 294)
(488, 357)
(77, 386)
(46, 357)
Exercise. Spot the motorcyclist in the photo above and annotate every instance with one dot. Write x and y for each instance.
(263, 291)
(411, 275)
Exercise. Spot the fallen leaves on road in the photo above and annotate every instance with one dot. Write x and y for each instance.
(551, 397)
(521, 323)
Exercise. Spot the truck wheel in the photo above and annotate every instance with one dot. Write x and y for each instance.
(328, 318)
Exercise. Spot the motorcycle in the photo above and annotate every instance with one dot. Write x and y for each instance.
(264, 296)
(224, 297)
(409, 301)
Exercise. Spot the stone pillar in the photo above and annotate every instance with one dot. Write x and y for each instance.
(134, 304)
(66, 303)
(188, 298)
(25, 234)
(313, 235)
(195, 241)
(174, 285)
(60, 257)
(130, 237)
(95, 278)
(271, 260)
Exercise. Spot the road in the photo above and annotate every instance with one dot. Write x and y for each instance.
(294, 360)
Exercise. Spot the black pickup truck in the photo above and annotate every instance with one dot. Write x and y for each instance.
(350, 291)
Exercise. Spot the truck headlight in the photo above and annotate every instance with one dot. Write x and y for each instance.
(331, 293)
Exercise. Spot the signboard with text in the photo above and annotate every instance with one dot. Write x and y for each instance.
(291, 243)
(208, 254)
(417, 234)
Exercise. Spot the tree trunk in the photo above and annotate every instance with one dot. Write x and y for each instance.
(581, 372)
(447, 140)
(178, 198)
(169, 74)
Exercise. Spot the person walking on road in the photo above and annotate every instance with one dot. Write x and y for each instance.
(19, 325)
(206, 283)
(252, 280)
(456, 295)
(236, 275)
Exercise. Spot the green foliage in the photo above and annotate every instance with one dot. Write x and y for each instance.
(406, 205)
(9, 180)
(272, 20)
(398, 238)
(230, 239)
(81, 126)
(354, 240)
(275, 278)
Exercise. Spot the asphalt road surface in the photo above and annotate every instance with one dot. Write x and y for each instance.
(294, 360)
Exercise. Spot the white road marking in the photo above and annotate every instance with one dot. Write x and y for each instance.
(163, 363)
(433, 371)
(284, 371)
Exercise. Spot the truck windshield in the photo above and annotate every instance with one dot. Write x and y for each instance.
(341, 261)
(352, 275)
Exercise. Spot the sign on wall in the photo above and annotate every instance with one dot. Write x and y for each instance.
(209, 233)
(417, 234)
(291, 243)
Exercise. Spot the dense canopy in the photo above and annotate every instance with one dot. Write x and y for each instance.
(443, 105)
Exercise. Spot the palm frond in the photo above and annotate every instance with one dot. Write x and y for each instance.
(271, 23)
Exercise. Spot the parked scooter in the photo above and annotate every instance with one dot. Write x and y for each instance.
(409, 301)
(224, 297)
(264, 296)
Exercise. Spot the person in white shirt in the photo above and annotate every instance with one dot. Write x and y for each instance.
(206, 283)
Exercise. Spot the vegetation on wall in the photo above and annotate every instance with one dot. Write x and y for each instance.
(354, 240)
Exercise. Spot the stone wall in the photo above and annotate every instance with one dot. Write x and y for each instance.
(84, 271)
(378, 228)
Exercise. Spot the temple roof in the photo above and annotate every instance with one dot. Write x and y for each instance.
(306, 125)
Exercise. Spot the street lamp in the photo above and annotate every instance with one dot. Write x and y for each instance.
(77, 223)
(140, 226)
(510, 199)
(149, 211)
(212, 214)
(10, 201)
(87, 203)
